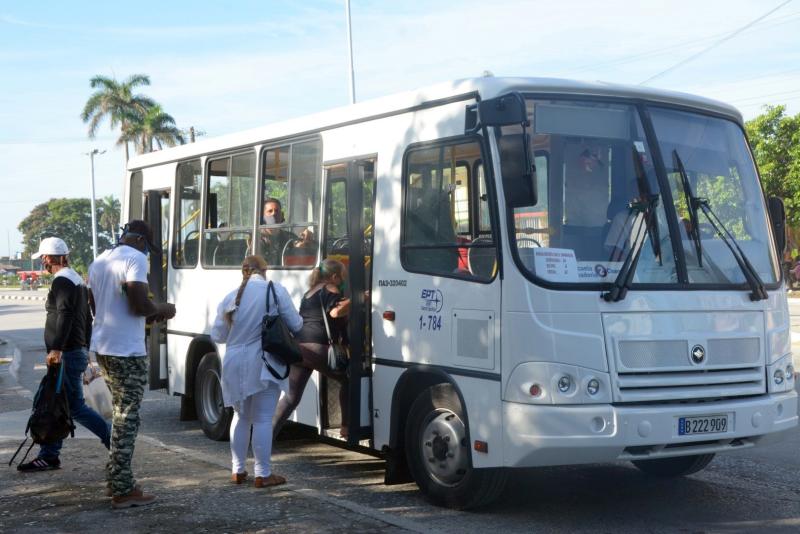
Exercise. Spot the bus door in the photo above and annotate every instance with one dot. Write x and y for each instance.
(157, 214)
(349, 218)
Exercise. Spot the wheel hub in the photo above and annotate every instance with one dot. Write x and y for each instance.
(212, 397)
(444, 447)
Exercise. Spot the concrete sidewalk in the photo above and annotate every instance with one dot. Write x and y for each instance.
(194, 495)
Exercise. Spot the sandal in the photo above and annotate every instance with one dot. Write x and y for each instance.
(272, 480)
(238, 478)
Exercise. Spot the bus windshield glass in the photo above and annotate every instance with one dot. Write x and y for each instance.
(599, 197)
(707, 159)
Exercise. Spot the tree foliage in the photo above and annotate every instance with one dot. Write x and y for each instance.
(71, 220)
(109, 212)
(775, 139)
(153, 126)
(140, 119)
(115, 101)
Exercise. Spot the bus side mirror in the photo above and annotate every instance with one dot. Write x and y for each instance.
(516, 161)
(777, 214)
(519, 174)
(502, 110)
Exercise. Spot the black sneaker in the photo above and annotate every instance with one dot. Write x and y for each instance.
(40, 464)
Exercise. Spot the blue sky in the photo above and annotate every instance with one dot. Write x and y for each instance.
(227, 66)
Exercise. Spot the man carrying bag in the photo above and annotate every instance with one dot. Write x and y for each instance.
(66, 335)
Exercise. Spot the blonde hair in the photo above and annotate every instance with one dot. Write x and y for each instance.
(326, 270)
(250, 265)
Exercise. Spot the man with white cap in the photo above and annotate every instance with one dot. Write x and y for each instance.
(67, 331)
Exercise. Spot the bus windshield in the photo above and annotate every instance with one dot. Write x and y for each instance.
(599, 194)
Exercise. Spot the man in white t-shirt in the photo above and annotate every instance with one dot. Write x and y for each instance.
(121, 305)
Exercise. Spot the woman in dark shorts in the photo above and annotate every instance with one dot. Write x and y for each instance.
(326, 286)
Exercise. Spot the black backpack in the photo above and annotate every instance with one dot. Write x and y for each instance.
(50, 419)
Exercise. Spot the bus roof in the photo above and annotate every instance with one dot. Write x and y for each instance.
(486, 87)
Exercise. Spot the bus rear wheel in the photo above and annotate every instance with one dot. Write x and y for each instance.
(438, 453)
(215, 418)
(675, 467)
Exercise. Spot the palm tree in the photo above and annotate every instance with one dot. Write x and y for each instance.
(152, 126)
(109, 214)
(116, 101)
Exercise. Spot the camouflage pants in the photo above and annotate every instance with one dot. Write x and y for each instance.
(126, 377)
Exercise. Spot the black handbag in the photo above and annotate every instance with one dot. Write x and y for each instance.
(277, 339)
(338, 358)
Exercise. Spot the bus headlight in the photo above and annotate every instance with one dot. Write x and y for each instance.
(777, 376)
(564, 384)
(780, 375)
(557, 383)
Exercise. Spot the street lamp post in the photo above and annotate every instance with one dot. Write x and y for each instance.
(91, 155)
(350, 54)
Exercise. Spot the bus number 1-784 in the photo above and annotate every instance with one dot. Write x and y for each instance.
(430, 322)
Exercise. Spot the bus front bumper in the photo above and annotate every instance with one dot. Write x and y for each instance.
(537, 435)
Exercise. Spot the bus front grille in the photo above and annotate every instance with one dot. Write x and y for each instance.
(662, 370)
(689, 385)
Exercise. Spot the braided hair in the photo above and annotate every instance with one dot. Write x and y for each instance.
(250, 265)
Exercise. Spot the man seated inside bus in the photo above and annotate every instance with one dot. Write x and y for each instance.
(273, 240)
(307, 239)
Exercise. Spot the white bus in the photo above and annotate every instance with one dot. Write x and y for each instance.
(543, 272)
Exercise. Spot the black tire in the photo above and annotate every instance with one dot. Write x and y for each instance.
(675, 467)
(188, 409)
(214, 418)
(449, 480)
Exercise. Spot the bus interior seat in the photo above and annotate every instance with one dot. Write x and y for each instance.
(429, 223)
(586, 199)
(298, 256)
(190, 251)
(482, 260)
(586, 241)
(230, 252)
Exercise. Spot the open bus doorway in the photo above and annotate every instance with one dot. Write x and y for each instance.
(349, 219)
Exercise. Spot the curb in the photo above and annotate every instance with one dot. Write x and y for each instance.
(23, 297)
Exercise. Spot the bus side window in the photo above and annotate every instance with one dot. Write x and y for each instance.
(444, 229)
(187, 228)
(227, 234)
(289, 210)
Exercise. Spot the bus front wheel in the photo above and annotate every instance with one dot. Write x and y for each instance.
(438, 453)
(674, 467)
(215, 418)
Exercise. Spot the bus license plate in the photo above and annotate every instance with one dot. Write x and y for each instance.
(704, 424)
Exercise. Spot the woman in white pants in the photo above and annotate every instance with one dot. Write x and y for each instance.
(247, 385)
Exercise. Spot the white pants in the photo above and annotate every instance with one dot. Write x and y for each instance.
(256, 410)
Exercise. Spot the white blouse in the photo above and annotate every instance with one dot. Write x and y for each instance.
(243, 370)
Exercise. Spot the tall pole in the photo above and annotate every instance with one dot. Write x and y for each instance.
(91, 155)
(350, 54)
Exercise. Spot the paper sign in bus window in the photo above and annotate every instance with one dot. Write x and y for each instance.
(556, 264)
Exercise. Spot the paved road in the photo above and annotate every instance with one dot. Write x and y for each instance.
(742, 492)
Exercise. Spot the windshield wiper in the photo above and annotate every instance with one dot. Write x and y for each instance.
(650, 214)
(691, 205)
(643, 210)
(749, 272)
